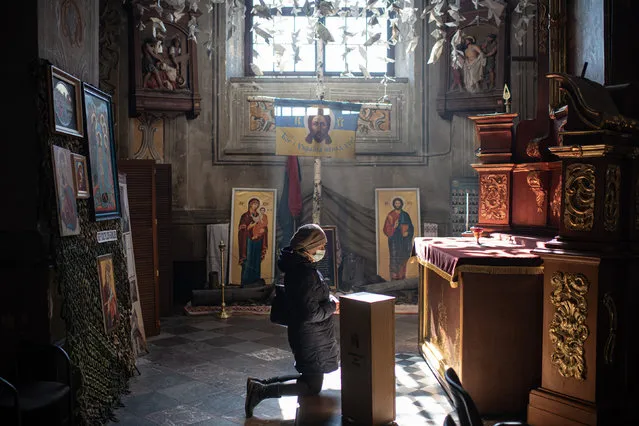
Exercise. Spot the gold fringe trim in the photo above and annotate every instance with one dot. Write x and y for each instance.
(501, 270)
(445, 275)
(481, 269)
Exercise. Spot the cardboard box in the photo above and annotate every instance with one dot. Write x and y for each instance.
(367, 343)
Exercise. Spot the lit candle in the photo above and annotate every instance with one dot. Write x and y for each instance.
(466, 211)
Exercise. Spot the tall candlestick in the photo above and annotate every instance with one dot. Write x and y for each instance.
(223, 313)
(466, 211)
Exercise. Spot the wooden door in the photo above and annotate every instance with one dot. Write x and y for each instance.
(163, 201)
(140, 176)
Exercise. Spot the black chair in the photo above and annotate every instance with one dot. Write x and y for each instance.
(464, 405)
(38, 390)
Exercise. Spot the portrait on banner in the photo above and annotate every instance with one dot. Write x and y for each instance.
(397, 219)
(316, 129)
(252, 246)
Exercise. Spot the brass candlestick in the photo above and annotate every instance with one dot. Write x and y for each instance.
(223, 313)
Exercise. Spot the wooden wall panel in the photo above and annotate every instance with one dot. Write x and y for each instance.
(163, 193)
(142, 199)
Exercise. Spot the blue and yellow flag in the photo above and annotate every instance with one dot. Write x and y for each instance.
(315, 128)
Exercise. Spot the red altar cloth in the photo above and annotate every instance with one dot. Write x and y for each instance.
(451, 256)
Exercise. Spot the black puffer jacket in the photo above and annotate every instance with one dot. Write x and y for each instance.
(311, 333)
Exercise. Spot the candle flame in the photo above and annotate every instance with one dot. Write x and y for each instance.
(506, 94)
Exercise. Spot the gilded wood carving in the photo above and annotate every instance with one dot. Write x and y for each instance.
(536, 186)
(543, 27)
(611, 307)
(532, 149)
(494, 197)
(579, 197)
(611, 202)
(568, 329)
(555, 203)
(637, 205)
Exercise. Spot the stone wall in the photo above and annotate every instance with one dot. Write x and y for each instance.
(205, 167)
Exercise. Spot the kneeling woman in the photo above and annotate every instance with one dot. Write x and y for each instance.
(311, 334)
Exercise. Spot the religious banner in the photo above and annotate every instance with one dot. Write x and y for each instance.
(252, 246)
(397, 223)
(315, 128)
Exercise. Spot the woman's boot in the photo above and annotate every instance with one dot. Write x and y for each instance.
(256, 392)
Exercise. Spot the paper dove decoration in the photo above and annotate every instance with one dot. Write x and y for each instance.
(495, 9)
(374, 38)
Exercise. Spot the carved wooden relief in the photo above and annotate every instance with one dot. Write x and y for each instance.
(568, 329)
(473, 62)
(494, 197)
(579, 197)
(611, 202)
(555, 203)
(163, 58)
(536, 186)
(148, 138)
(532, 149)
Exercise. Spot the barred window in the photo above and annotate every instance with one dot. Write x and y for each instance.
(281, 39)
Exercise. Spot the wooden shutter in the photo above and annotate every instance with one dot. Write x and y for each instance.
(163, 198)
(140, 177)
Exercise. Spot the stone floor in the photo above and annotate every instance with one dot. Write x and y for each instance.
(196, 373)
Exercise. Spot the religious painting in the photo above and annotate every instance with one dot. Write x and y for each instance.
(397, 223)
(102, 160)
(252, 246)
(315, 128)
(473, 60)
(328, 265)
(65, 191)
(108, 297)
(127, 245)
(376, 119)
(261, 115)
(138, 335)
(124, 202)
(80, 177)
(65, 98)
(163, 58)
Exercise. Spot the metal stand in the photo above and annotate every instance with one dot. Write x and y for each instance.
(223, 313)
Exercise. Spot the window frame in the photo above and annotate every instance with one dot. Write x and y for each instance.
(248, 54)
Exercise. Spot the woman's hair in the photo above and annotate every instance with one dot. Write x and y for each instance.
(307, 237)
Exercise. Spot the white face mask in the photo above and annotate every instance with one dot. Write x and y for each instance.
(319, 255)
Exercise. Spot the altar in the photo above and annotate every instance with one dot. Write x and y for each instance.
(480, 310)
